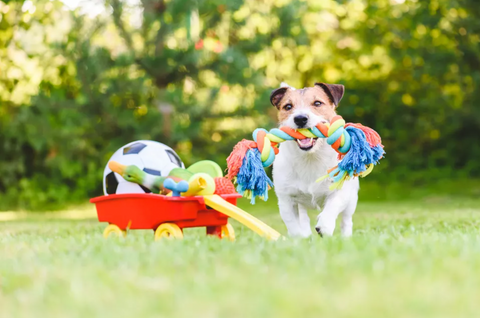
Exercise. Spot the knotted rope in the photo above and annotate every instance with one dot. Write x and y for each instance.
(359, 149)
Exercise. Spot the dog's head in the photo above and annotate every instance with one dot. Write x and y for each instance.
(307, 107)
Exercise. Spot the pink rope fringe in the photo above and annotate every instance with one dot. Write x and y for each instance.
(235, 160)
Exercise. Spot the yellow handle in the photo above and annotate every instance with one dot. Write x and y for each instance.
(254, 224)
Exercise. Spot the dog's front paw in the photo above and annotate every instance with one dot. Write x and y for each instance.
(324, 226)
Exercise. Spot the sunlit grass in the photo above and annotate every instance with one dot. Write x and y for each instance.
(406, 259)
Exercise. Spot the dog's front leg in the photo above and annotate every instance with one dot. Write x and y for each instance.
(327, 218)
(289, 214)
(304, 221)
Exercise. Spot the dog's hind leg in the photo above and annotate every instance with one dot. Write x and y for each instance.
(289, 214)
(347, 224)
(304, 221)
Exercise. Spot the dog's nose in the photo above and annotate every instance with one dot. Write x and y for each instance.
(300, 120)
(319, 231)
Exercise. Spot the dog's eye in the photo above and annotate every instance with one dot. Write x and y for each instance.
(317, 103)
(288, 107)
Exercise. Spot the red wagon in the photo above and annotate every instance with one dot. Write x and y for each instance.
(167, 216)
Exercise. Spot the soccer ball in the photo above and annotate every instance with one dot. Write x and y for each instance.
(153, 157)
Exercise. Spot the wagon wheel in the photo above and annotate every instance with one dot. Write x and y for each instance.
(113, 229)
(228, 232)
(168, 230)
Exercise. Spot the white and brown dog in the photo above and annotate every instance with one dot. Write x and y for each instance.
(300, 163)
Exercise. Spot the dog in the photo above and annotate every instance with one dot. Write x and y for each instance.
(301, 162)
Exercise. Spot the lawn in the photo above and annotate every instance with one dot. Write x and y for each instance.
(406, 259)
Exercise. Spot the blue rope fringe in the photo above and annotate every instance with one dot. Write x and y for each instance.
(360, 154)
(252, 179)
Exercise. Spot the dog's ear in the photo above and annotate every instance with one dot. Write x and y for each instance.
(334, 91)
(277, 95)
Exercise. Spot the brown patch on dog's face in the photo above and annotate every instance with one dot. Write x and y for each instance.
(306, 108)
(310, 99)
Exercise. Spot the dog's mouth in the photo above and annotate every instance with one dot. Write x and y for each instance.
(307, 143)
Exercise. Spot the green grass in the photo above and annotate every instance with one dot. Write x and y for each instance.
(406, 259)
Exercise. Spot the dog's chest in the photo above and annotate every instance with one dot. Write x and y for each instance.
(305, 189)
(295, 174)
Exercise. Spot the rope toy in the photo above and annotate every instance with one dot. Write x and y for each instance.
(359, 149)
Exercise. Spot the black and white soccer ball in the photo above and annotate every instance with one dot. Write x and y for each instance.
(153, 157)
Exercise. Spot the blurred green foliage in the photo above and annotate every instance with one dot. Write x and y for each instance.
(196, 75)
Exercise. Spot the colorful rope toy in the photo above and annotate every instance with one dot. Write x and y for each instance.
(359, 149)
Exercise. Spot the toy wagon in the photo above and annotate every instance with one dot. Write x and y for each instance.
(166, 215)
